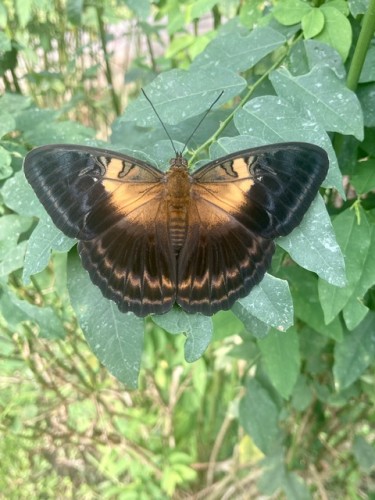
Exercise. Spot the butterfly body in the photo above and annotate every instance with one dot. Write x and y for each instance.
(177, 195)
(151, 239)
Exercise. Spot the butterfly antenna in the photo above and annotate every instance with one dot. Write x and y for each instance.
(201, 120)
(160, 120)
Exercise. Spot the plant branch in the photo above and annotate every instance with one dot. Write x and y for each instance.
(364, 39)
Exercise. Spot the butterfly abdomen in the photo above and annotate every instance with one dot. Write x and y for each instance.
(178, 197)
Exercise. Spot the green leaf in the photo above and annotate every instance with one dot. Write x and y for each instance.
(259, 417)
(366, 96)
(19, 196)
(45, 238)
(291, 12)
(5, 43)
(316, 234)
(13, 259)
(252, 324)
(358, 7)
(24, 11)
(280, 354)
(354, 239)
(59, 132)
(355, 310)
(337, 30)
(114, 337)
(74, 10)
(195, 9)
(304, 287)
(355, 353)
(11, 228)
(7, 123)
(302, 394)
(363, 178)
(196, 327)
(239, 52)
(270, 302)
(15, 311)
(323, 95)
(5, 164)
(364, 453)
(178, 95)
(141, 8)
(14, 103)
(368, 70)
(322, 55)
(251, 12)
(312, 23)
(274, 119)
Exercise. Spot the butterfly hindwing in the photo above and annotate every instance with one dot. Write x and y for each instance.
(132, 261)
(220, 261)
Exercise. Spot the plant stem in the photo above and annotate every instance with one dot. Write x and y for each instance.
(364, 39)
(108, 72)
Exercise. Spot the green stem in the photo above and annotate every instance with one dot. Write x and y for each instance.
(364, 39)
(363, 42)
(108, 72)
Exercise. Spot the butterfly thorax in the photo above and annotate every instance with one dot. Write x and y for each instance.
(178, 187)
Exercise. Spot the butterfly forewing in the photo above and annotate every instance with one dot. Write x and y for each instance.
(150, 239)
(78, 184)
(269, 188)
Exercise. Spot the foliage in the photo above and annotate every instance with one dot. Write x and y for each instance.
(285, 385)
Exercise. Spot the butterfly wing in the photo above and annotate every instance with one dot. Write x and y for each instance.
(239, 204)
(269, 188)
(115, 206)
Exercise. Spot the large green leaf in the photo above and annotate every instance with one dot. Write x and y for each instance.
(323, 95)
(313, 245)
(274, 119)
(355, 353)
(354, 238)
(239, 52)
(178, 95)
(281, 357)
(115, 338)
(19, 196)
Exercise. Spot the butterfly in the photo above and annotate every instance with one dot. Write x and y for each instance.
(151, 239)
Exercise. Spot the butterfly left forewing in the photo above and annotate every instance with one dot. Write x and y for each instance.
(78, 184)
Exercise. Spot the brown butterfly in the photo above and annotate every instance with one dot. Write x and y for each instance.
(149, 239)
